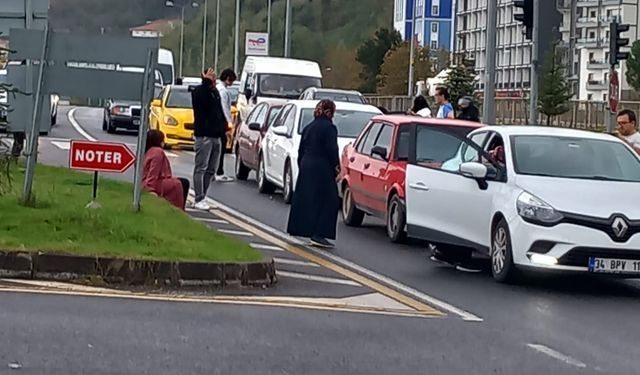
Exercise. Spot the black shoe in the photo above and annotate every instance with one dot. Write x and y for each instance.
(321, 242)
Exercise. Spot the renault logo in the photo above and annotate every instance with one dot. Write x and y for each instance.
(619, 227)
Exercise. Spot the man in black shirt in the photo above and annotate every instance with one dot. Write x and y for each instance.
(209, 124)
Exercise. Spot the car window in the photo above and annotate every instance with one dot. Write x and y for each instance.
(261, 114)
(384, 139)
(436, 147)
(273, 114)
(360, 142)
(367, 143)
(290, 120)
(469, 153)
(279, 121)
(402, 143)
(254, 114)
(348, 122)
(179, 98)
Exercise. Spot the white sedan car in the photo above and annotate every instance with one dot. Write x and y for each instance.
(278, 160)
(530, 197)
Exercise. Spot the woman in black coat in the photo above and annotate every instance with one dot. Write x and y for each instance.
(315, 204)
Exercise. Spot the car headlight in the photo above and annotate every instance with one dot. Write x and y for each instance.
(169, 120)
(537, 211)
(119, 110)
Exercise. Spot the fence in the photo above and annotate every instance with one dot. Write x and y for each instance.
(515, 111)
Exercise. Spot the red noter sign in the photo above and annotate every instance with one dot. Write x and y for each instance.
(100, 157)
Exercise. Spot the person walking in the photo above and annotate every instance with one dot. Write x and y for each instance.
(420, 107)
(627, 127)
(315, 204)
(443, 99)
(468, 110)
(157, 177)
(209, 128)
(227, 77)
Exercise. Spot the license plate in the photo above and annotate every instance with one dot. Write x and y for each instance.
(136, 122)
(608, 265)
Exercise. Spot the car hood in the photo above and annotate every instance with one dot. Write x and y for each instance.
(182, 114)
(585, 197)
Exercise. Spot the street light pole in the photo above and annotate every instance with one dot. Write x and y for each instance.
(412, 50)
(216, 53)
(236, 43)
(533, 104)
(204, 34)
(269, 18)
(287, 31)
(181, 39)
(488, 109)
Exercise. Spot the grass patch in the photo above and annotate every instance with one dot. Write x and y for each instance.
(59, 222)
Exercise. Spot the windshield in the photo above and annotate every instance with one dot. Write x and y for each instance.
(167, 73)
(566, 157)
(340, 97)
(179, 98)
(349, 123)
(285, 86)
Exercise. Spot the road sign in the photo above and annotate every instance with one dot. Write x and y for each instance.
(614, 90)
(100, 157)
(256, 44)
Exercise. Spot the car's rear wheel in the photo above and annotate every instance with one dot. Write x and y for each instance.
(264, 186)
(110, 128)
(502, 267)
(396, 220)
(242, 171)
(351, 215)
(287, 190)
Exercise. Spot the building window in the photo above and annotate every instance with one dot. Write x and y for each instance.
(399, 10)
(434, 27)
(434, 44)
(592, 34)
(420, 8)
(589, 97)
(604, 97)
(591, 56)
(435, 10)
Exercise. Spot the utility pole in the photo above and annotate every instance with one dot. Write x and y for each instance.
(412, 50)
(535, 64)
(488, 109)
(181, 40)
(204, 35)
(287, 31)
(217, 43)
(269, 18)
(236, 44)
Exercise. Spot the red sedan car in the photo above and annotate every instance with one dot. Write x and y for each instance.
(373, 168)
(249, 138)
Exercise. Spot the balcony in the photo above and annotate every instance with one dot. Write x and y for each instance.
(596, 85)
(597, 64)
(591, 43)
(587, 21)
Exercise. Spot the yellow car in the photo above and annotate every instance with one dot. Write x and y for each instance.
(232, 128)
(172, 113)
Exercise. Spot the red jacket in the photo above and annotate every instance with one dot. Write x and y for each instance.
(157, 177)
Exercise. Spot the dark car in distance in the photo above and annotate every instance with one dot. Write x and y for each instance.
(121, 114)
(250, 135)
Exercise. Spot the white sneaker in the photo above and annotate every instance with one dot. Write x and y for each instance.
(224, 179)
(202, 205)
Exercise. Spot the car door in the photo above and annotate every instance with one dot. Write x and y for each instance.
(274, 157)
(285, 145)
(247, 137)
(155, 113)
(360, 162)
(443, 206)
(375, 171)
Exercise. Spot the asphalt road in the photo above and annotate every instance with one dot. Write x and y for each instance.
(558, 325)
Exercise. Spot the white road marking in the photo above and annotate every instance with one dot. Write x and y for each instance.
(293, 262)
(236, 232)
(170, 154)
(213, 221)
(77, 127)
(437, 303)
(260, 246)
(322, 279)
(46, 138)
(556, 355)
(62, 145)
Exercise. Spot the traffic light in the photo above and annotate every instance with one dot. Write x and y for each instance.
(616, 42)
(526, 17)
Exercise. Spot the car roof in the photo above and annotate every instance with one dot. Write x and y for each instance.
(334, 91)
(339, 105)
(512, 130)
(407, 119)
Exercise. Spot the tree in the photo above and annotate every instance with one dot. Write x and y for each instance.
(441, 59)
(341, 70)
(394, 72)
(461, 80)
(371, 55)
(555, 92)
(633, 66)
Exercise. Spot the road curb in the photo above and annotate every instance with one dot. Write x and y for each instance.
(111, 270)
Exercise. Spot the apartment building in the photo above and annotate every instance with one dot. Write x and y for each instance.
(585, 31)
(513, 52)
(434, 21)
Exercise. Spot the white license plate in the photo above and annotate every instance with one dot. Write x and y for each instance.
(136, 122)
(608, 265)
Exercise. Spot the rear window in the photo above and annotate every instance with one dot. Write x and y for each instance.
(438, 144)
(349, 123)
(339, 97)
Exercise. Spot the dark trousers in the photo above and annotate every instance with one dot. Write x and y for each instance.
(223, 151)
(185, 187)
(18, 144)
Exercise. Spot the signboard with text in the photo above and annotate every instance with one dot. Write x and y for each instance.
(100, 157)
(256, 44)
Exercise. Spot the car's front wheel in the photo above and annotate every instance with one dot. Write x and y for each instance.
(264, 186)
(110, 128)
(287, 190)
(351, 215)
(242, 171)
(396, 220)
(502, 267)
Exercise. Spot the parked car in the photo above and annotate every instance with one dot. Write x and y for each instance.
(4, 99)
(278, 162)
(121, 114)
(250, 135)
(529, 197)
(317, 93)
(172, 113)
(374, 167)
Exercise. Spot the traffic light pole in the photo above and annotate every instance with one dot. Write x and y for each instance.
(488, 108)
(535, 65)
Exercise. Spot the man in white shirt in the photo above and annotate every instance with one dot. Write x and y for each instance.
(628, 128)
(227, 77)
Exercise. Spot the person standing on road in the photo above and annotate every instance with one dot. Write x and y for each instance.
(209, 124)
(443, 99)
(157, 177)
(628, 128)
(227, 77)
(467, 110)
(315, 205)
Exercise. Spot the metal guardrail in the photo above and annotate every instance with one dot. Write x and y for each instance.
(515, 111)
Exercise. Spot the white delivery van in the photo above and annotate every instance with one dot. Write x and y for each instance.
(166, 66)
(275, 79)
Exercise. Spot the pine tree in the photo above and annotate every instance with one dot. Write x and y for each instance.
(555, 92)
(633, 66)
(461, 80)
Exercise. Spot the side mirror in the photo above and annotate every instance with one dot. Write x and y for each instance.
(474, 170)
(281, 131)
(379, 151)
(156, 103)
(255, 126)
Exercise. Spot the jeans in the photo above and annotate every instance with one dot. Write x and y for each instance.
(208, 152)
(223, 140)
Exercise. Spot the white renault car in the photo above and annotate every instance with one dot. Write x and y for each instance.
(530, 197)
(278, 160)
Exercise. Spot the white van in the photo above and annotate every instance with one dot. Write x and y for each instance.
(166, 66)
(275, 79)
